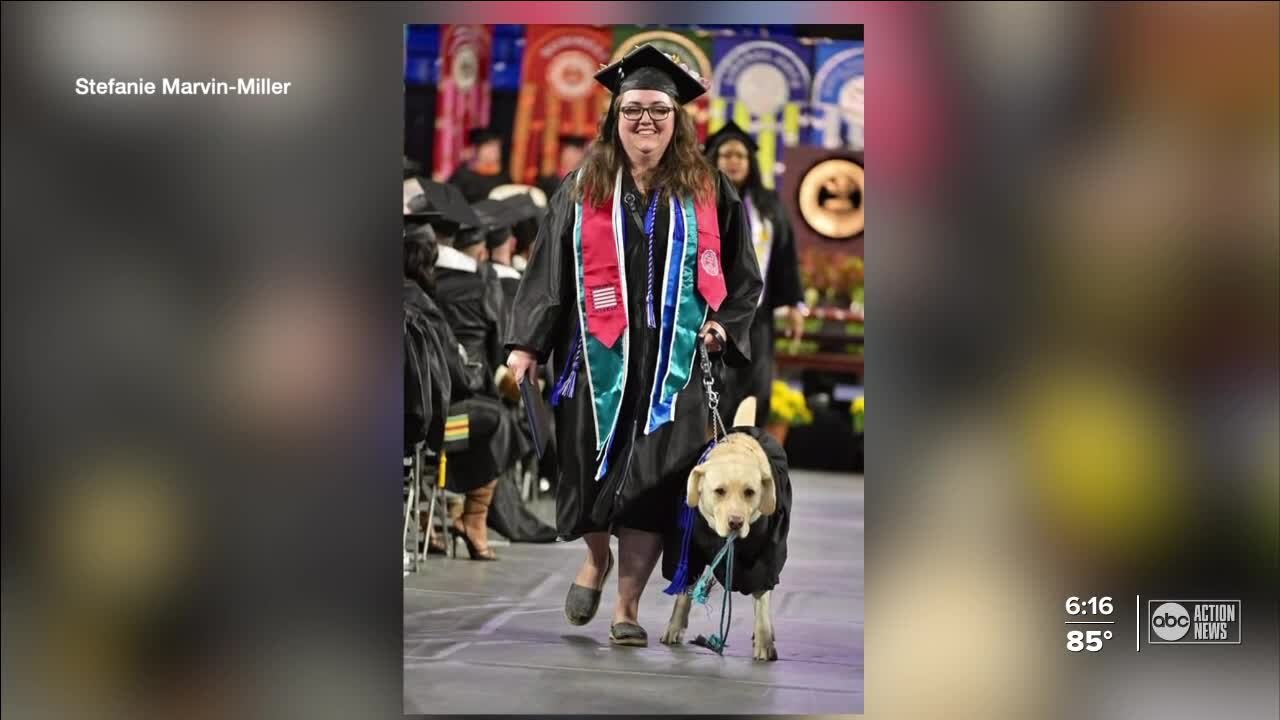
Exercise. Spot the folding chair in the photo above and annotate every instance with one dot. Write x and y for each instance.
(411, 532)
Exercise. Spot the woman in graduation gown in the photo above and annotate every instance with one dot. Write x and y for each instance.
(733, 152)
(643, 256)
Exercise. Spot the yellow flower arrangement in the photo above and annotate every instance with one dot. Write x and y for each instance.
(858, 408)
(788, 406)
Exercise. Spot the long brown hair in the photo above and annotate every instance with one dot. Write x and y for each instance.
(682, 170)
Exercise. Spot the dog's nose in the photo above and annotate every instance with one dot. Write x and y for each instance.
(735, 522)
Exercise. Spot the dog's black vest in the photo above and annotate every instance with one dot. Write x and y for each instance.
(757, 559)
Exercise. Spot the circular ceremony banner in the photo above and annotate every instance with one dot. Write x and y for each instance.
(762, 85)
(558, 94)
(837, 102)
(462, 102)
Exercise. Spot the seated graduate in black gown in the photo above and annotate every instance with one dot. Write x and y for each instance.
(484, 171)
(504, 217)
(465, 302)
(433, 364)
(436, 383)
(517, 211)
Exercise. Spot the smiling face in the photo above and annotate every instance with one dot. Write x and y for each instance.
(645, 139)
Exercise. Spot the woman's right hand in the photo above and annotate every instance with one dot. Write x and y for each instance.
(523, 365)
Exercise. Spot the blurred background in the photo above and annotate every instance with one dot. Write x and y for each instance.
(1075, 344)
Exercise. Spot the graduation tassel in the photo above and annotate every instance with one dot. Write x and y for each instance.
(569, 374)
(685, 518)
(681, 579)
(648, 231)
(648, 297)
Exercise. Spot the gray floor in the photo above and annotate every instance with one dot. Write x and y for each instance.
(492, 638)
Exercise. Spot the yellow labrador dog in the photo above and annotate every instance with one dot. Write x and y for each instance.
(741, 488)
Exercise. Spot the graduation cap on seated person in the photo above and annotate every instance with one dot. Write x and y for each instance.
(412, 168)
(480, 136)
(525, 229)
(498, 219)
(520, 207)
(494, 227)
(443, 207)
(648, 68)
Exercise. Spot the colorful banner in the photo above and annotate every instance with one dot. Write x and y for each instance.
(421, 54)
(763, 86)
(693, 51)
(836, 105)
(508, 49)
(558, 94)
(462, 102)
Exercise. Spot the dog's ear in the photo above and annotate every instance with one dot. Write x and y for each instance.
(695, 487)
(746, 414)
(768, 494)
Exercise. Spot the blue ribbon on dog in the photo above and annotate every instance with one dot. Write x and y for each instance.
(685, 518)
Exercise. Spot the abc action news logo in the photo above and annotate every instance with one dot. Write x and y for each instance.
(1193, 622)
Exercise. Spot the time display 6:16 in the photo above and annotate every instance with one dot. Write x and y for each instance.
(1090, 606)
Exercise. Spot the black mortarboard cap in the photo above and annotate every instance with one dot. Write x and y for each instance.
(493, 229)
(443, 206)
(480, 136)
(648, 68)
(731, 131)
(573, 141)
(489, 212)
(468, 237)
(518, 208)
(412, 168)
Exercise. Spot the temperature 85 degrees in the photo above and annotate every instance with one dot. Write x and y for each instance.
(1090, 640)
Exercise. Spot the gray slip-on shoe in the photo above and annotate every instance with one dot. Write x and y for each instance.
(629, 634)
(581, 604)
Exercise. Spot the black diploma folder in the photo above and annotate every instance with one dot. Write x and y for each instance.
(540, 419)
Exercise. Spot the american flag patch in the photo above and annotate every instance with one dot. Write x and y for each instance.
(604, 298)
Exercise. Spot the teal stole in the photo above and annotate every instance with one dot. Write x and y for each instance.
(602, 293)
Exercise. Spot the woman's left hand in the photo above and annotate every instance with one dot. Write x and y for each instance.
(713, 334)
(795, 323)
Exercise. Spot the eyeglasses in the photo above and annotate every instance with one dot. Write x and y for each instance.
(657, 112)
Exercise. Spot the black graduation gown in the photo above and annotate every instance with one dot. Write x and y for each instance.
(423, 372)
(549, 184)
(759, 558)
(509, 283)
(468, 303)
(434, 375)
(643, 469)
(782, 289)
(471, 302)
(510, 279)
(474, 186)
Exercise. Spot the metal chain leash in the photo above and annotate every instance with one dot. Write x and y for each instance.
(713, 397)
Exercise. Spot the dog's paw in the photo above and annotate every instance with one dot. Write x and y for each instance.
(763, 648)
(673, 636)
